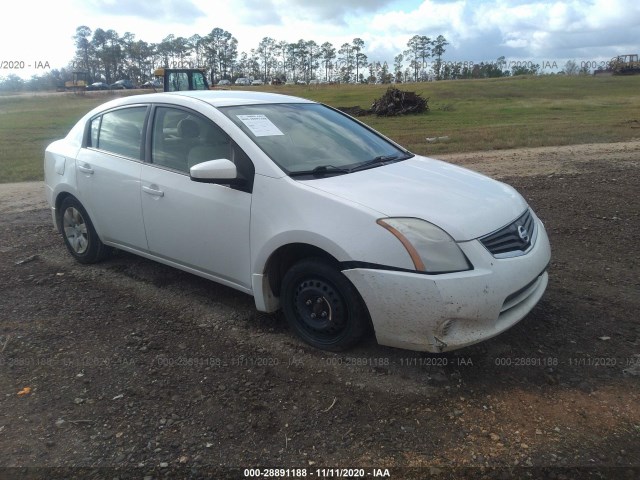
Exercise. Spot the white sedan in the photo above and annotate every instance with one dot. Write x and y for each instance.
(304, 208)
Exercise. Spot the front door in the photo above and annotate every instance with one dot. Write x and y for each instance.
(201, 226)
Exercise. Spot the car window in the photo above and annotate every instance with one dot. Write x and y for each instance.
(95, 130)
(119, 131)
(179, 81)
(300, 137)
(182, 139)
(198, 81)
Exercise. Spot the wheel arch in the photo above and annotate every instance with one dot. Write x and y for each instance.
(60, 197)
(287, 255)
(82, 240)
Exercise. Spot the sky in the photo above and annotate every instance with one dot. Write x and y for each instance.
(37, 35)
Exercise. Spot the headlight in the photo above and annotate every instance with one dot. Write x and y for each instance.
(431, 249)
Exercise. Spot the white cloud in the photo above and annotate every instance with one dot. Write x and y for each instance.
(333, 10)
(257, 13)
(429, 17)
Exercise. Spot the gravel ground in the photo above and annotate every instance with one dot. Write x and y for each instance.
(130, 369)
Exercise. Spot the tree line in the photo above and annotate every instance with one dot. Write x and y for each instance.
(108, 56)
(104, 55)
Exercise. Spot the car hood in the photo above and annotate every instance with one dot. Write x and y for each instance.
(465, 204)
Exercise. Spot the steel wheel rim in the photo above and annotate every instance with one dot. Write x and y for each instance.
(321, 309)
(75, 230)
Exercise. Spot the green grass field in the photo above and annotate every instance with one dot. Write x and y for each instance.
(474, 114)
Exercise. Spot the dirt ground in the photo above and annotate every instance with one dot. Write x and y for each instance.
(137, 370)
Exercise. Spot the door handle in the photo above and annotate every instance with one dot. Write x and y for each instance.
(85, 168)
(153, 191)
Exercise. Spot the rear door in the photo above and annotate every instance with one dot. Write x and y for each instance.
(108, 172)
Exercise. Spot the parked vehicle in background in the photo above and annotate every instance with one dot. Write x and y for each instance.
(98, 86)
(224, 82)
(257, 82)
(625, 64)
(242, 81)
(152, 84)
(77, 84)
(306, 209)
(122, 85)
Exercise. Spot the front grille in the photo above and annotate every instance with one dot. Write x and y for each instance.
(514, 239)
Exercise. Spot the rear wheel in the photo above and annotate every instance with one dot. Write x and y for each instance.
(78, 233)
(322, 306)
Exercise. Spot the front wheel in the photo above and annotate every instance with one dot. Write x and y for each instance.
(322, 306)
(78, 233)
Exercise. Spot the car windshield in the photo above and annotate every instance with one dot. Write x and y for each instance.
(310, 138)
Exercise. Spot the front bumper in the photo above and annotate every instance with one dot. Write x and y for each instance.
(438, 313)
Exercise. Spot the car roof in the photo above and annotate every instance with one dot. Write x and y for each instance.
(215, 98)
(220, 98)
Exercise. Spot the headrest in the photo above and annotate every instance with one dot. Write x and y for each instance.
(188, 128)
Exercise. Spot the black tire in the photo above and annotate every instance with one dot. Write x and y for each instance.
(322, 306)
(78, 233)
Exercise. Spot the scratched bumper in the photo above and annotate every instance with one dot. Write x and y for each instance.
(438, 313)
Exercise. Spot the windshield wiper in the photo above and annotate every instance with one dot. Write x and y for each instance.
(379, 160)
(320, 170)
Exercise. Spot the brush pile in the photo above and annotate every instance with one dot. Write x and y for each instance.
(393, 102)
(396, 102)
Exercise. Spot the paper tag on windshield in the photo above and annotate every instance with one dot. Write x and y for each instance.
(260, 125)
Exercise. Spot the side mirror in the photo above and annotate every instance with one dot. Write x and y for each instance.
(220, 171)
